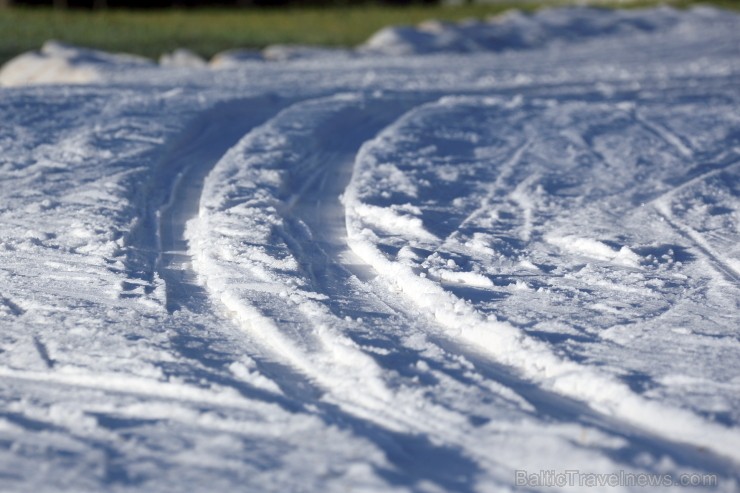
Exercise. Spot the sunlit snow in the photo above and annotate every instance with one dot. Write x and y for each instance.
(456, 252)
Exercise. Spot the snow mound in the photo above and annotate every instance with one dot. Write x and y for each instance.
(182, 58)
(280, 52)
(235, 58)
(276, 53)
(516, 30)
(60, 63)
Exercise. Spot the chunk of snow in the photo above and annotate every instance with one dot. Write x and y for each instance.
(182, 58)
(60, 63)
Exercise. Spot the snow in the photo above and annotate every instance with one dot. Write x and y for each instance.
(515, 30)
(456, 252)
(59, 63)
(182, 57)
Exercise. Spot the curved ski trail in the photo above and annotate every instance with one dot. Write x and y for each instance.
(502, 341)
(271, 289)
(270, 244)
(209, 139)
(267, 265)
(206, 336)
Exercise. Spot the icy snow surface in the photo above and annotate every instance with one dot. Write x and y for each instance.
(376, 270)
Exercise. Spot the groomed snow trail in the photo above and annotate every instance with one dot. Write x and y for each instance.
(374, 270)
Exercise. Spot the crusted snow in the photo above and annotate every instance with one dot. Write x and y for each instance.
(456, 252)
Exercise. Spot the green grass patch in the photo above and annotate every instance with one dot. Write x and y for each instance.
(150, 33)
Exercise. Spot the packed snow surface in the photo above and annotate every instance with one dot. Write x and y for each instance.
(463, 257)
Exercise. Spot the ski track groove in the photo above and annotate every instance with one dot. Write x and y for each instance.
(662, 206)
(715, 260)
(375, 409)
(321, 230)
(216, 131)
(43, 352)
(191, 329)
(669, 137)
(691, 181)
(507, 170)
(184, 293)
(369, 407)
(14, 309)
(322, 233)
(131, 386)
(627, 420)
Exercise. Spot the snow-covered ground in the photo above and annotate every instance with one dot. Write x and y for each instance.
(458, 258)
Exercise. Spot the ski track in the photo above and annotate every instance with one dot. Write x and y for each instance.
(662, 205)
(506, 170)
(315, 233)
(212, 135)
(12, 307)
(293, 376)
(302, 349)
(716, 260)
(317, 313)
(401, 276)
(669, 137)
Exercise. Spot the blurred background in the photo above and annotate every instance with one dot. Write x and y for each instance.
(151, 28)
(158, 4)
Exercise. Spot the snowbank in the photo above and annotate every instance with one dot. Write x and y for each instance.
(516, 30)
(182, 58)
(59, 63)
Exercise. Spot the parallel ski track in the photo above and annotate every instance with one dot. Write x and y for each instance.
(200, 149)
(613, 423)
(316, 233)
(396, 432)
(337, 272)
(371, 407)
